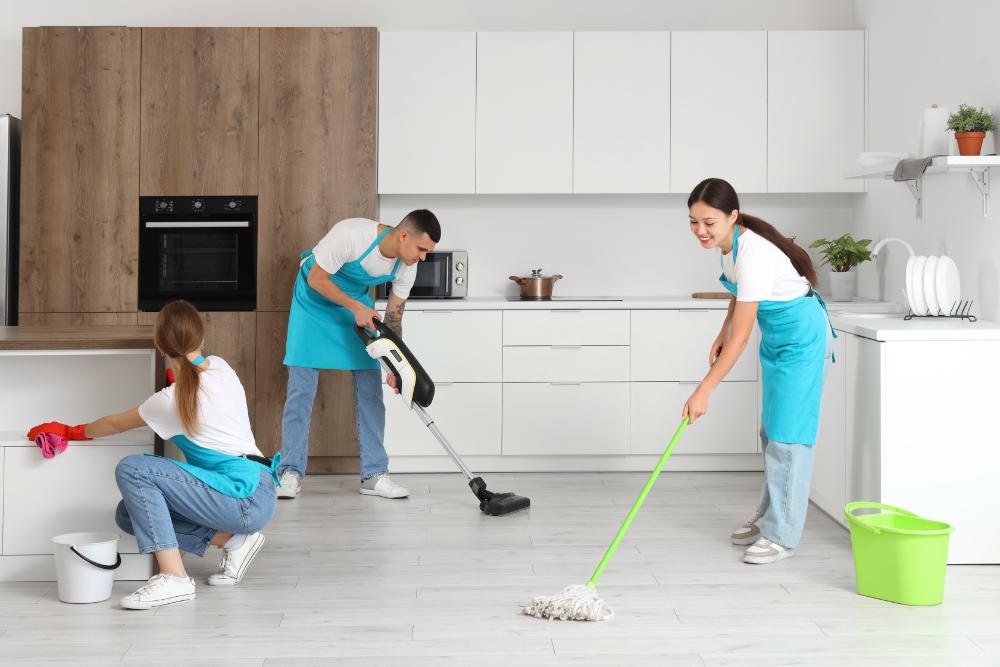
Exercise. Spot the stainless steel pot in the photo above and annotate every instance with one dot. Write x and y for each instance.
(536, 287)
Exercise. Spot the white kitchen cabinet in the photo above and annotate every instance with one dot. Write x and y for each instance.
(467, 413)
(829, 481)
(524, 112)
(566, 327)
(815, 110)
(427, 112)
(35, 491)
(569, 363)
(673, 345)
(456, 346)
(572, 418)
(729, 427)
(866, 388)
(718, 109)
(621, 112)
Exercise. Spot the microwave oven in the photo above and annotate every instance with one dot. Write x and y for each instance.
(443, 275)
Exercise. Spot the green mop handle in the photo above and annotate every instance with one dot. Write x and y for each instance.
(636, 505)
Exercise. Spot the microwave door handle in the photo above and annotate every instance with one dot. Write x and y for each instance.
(184, 224)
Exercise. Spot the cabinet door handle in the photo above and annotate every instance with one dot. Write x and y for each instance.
(689, 382)
(566, 384)
(566, 310)
(444, 312)
(443, 384)
(566, 347)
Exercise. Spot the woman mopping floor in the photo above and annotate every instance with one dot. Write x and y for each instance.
(222, 496)
(771, 280)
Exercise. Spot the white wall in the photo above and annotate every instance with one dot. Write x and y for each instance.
(603, 244)
(922, 52)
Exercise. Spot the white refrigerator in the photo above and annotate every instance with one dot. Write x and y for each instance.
(10, 194)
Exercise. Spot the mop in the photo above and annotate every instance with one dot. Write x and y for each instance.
(417, 389)
(581, 603)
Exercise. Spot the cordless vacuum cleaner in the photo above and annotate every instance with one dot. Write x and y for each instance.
(417, 389)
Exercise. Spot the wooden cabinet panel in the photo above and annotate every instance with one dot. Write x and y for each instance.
(333, 441)
(231, 336)
(77, 319)
(199, 111)
(80, 181)
(318, 114)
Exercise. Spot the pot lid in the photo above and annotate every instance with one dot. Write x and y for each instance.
(536, 274)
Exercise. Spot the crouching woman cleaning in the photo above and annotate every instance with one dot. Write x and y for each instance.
(224, 493)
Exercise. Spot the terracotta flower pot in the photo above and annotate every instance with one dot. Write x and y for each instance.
(970, 143)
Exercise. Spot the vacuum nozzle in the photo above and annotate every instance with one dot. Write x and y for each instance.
(497, 504)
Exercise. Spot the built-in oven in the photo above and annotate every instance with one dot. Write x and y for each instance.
(443, 275)
(202, 249)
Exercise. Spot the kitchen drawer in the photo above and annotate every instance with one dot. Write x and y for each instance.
(74, 492)
(672, 345)
(565, 418)
(456, 346)
(565, 327)
(729, 427)
(568, 363)
(467, 413)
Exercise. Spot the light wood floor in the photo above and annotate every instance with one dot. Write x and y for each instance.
(350, 579)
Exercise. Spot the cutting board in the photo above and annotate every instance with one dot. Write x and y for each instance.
(711, 295)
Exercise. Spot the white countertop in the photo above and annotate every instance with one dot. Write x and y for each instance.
(138, 436)
(881, 328)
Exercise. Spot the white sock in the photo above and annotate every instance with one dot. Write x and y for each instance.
(235, 542)
(179, 580)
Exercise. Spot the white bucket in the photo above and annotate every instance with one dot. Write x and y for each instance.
(85, 565)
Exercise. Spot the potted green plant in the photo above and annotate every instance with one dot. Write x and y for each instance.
(842, 255)
(970, 126)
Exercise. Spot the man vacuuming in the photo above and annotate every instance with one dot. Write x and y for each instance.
(332, 294)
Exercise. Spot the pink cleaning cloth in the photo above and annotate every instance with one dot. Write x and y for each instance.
(50, 444)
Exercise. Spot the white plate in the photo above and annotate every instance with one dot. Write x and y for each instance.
(930, 286)
(909, 284)
(917, 287)
(949, 287)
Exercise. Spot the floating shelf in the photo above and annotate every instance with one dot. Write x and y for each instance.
(977, 167)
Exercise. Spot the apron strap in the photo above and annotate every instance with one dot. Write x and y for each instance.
(198, 361)
(822, 303)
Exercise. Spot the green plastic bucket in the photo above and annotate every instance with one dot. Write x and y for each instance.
(898, 556)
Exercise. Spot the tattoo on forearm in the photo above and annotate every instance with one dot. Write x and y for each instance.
(394, 317)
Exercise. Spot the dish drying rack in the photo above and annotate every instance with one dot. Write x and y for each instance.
(960, 310)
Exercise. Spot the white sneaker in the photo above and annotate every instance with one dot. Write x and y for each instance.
(748, 532)
(765, 551)
(235, 562)
(158, 591)
(290, 485)
(381, 485)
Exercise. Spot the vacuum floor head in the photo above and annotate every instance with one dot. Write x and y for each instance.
(497, 504)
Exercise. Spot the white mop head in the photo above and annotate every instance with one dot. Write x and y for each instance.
(573, 603)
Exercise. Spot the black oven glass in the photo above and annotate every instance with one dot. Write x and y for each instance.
(199, 261)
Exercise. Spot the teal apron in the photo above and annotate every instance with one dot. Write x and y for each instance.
(320, 332)
(234, 476)
(793, 339)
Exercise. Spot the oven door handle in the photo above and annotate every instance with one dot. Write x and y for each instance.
(181, 224)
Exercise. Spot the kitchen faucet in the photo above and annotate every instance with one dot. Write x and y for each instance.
(878, 246)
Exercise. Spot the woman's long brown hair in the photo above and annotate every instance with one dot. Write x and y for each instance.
(719, 194)
(180, 331)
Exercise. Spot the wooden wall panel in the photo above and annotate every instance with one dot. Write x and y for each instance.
(333, 438)
(79, 181)
(318, 116)
(199, 111)
(77, 319)
(231, 336)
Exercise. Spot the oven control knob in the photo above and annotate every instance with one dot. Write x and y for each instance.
(459, 280)
(163, 205)
(198, 204)
(460, 267)
(232, 204)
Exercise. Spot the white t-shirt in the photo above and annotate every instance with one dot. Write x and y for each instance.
(223, 420)
(762, 271)
(347, 241)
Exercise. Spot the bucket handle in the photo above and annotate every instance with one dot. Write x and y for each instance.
(118, 562)
(861, 505)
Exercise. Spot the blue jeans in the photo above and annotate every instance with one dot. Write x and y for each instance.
(167, 507)
(784, 498)
(369, 413)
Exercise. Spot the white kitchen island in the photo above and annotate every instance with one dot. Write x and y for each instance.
(73, 375)
(910, 419)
